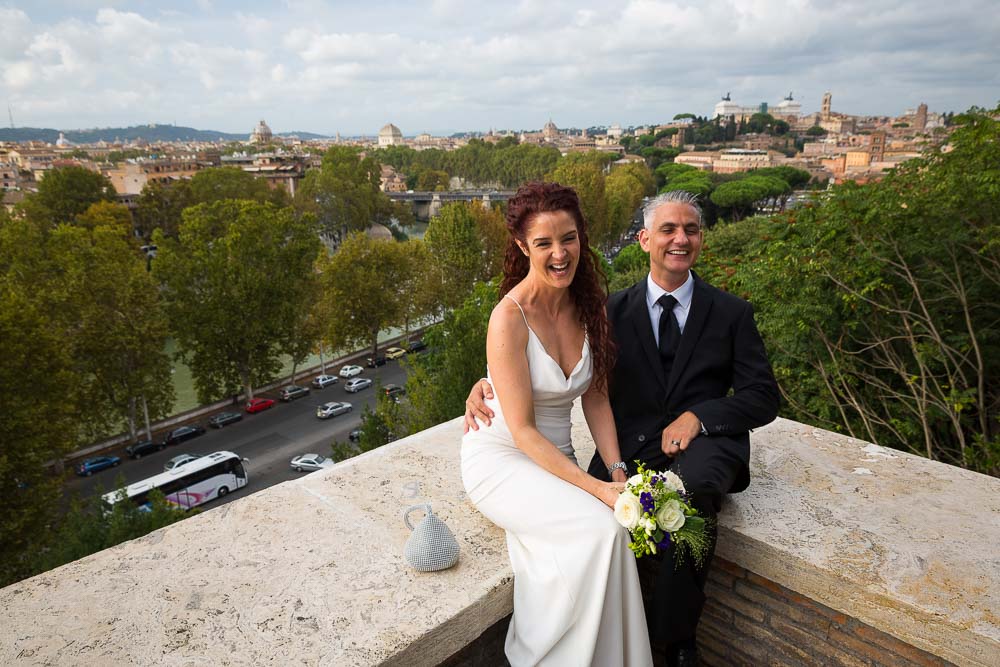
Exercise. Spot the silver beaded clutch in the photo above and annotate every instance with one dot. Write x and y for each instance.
(431, 546)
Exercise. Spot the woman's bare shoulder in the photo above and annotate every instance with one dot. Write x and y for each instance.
(507, 321)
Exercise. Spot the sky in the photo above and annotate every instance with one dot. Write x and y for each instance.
(452, 65)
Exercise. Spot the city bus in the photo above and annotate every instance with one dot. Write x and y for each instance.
(189, 485)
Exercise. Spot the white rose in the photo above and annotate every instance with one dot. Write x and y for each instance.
(672, 481)
(670, 517)
(635, 481)
(628, 510)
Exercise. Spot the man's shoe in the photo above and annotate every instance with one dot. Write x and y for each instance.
(687, 657)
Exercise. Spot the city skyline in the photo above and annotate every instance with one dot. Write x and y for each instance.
(441, 67)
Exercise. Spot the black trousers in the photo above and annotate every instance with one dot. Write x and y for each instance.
(708, 468)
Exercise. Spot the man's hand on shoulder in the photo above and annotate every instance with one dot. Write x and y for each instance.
(475, 406)
(679, 433)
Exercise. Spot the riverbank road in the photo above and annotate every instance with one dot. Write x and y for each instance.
(269, 439)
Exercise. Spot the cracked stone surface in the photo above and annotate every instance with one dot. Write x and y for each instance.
(311, 572)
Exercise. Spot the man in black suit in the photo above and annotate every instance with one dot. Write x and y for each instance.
(691, 380)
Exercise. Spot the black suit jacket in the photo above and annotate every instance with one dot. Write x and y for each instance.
(720, 373)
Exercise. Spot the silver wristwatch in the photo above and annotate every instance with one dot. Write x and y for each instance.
(616, 466)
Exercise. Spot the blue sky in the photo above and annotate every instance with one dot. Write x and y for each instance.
(448, 65)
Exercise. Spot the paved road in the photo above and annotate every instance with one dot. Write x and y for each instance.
(269, 439)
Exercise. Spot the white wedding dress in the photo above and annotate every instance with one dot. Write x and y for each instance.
(576, 593)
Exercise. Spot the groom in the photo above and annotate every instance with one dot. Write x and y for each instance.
(691, 380)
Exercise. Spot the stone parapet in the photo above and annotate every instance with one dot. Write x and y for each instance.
(310, 571)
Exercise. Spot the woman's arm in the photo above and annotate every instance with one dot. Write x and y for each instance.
(601, 420)
(506, 341)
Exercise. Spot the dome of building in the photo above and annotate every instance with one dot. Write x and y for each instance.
(550, 130)
(261, 134)
(389, 135)
(62, 141)
(788, 107)
(726, 107)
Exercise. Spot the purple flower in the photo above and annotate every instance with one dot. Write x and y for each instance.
(654, 480)
(648, 504)
(665, 542)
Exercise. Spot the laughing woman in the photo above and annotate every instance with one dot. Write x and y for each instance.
(576, 593)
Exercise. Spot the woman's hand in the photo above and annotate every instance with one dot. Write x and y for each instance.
(608, 492)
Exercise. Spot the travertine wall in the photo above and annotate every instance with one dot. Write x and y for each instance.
(837, 545)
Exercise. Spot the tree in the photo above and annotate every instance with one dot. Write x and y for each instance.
(109, 215)
(360, 287)
(343, 194)
(587, 179)
(439, 381)
(421, 283)
(432, 180)
(34, 428)
(116, 324)
(467, 243)
(236, 283)
(220, 183)
(630, 266)
(816, 131)
(377, 426)
(625, 188)
(161, 207)
(66, 192)
(741, 197)
(695, 181)
(878, 303)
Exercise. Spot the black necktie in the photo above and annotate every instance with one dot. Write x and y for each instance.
(670, 331)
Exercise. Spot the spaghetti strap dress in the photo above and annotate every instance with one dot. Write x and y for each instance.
(576, 592)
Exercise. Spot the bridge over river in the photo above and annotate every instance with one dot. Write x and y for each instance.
(427, 204)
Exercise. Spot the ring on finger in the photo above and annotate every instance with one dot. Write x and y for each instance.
(675, 442)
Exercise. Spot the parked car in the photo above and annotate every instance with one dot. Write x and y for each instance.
(350, 371)
(377, 360)
(88, 467)
(180, 460)
(311, 462)
(323, 381)
(356, 385)
(258, 404)
(223, 418)
(140, 449)
(183, 433)
(354, 435)
(394, 391)
(291, 392)
(332, 409)
(416, 346)
(395, 353)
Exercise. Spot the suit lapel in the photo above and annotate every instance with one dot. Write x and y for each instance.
(638, 315)
(701, 304)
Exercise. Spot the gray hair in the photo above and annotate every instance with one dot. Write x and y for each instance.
(672, 197)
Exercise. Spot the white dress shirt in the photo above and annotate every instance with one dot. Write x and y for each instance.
(683, 295)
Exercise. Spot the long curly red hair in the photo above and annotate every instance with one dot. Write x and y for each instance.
(589, 287)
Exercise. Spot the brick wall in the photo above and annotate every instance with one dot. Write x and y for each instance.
(750, 620)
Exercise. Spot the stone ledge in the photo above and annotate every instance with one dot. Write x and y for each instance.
(310, 571)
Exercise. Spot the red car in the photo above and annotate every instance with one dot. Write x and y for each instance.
(258, 404)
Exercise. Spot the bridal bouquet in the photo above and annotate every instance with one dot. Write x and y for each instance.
(655, 511)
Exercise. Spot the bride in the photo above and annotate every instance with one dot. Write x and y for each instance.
(576, 593)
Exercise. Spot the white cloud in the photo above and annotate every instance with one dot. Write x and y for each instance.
(15, 31)
(458, 65)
